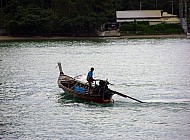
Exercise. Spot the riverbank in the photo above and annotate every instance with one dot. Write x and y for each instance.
(154, 36)
(11, 38)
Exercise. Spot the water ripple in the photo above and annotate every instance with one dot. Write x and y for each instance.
(155, 71)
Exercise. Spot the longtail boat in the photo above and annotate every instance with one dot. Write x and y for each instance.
(98, 93)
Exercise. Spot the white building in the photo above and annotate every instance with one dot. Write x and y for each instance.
(152, 16)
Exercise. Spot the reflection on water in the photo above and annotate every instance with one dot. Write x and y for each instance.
(155, 71)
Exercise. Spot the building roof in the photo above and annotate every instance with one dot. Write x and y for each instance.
(145, 15)
(138, 14)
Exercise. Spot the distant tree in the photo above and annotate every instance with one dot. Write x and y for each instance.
(30, 20)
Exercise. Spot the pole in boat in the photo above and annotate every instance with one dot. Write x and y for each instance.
(60, 68)
(126, 96)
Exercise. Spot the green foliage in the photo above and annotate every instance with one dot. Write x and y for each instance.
(72, 17)
(1, 19)
(30, 20)
(140, 26)
(134, 28)
(45, 17)
(127, 27)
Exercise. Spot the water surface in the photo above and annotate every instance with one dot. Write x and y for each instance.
(156, 71)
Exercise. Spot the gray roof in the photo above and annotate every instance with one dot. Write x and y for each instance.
(137, 14)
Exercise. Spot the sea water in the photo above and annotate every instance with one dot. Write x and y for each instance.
(155, 71)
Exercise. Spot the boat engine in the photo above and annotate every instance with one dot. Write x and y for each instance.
(103, 89)
(103, 83)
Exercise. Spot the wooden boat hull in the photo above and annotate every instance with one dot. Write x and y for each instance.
(68, 83)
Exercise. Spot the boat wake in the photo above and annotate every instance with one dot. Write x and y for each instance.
(167, 101)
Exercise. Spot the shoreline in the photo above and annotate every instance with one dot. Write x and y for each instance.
(11, 38)
(155, 36)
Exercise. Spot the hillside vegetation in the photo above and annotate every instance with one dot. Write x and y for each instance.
(67, 17)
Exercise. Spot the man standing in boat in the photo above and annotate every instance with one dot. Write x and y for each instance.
(90, 78)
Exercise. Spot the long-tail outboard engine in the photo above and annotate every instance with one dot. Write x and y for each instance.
(102, 89)
(103, 83)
